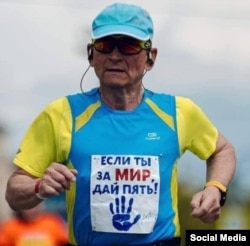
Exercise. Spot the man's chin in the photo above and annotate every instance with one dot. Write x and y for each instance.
(116, 84)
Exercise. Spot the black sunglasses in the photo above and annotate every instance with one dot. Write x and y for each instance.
(126, 45)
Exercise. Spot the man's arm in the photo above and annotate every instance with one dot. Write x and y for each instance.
(220, 167)
(20, 191)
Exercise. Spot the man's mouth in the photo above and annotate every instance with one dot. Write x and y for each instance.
(115, 70)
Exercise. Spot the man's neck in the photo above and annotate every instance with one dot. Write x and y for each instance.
(122, 99)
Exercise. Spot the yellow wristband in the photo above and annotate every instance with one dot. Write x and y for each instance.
(217, 184)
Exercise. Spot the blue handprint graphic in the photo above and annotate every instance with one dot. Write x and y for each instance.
(121, 219)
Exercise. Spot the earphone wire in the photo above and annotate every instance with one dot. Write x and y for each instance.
(83, 77)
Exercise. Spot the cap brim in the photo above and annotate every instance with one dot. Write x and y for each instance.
(119, 30)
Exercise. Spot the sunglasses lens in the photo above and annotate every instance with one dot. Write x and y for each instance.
(129, 46)
(126, 45)
(104, 45)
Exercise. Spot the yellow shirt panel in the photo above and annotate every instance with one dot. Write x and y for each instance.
(195, 131)
(47, 140)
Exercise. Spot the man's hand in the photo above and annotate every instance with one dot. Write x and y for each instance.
(56, 179)
(206, 205)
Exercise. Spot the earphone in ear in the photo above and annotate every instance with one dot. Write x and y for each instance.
(90, 52)
(150, 61)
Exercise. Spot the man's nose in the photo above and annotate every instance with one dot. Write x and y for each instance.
(115, 53)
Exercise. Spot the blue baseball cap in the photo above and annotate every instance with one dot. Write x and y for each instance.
(123, 19)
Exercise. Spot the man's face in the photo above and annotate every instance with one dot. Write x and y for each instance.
(116, 65)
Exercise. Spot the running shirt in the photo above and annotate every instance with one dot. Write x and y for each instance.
(126, 188)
